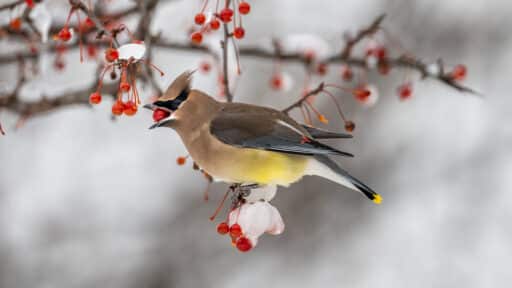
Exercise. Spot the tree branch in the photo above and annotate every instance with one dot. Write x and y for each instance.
(299, 102)
(11, 5)
(224, 44)
(362, 34)
(81, 97)
(45, 104)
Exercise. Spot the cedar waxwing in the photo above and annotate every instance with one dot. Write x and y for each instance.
(249, 144)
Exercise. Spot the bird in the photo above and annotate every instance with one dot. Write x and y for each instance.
(249, 144)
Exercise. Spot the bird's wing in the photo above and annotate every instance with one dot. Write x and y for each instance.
(323, 134)
(250, 126)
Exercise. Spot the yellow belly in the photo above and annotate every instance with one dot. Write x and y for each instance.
(261, 167)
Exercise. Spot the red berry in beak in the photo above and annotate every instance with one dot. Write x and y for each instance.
(243, 244)
(160, 114)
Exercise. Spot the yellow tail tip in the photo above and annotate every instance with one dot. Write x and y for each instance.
(377, 199)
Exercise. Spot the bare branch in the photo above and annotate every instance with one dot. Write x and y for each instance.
(146, 8)
(11, 5)
(224, 44)
(45, 104)
(362, 34)
(143, 32)
(299, 102)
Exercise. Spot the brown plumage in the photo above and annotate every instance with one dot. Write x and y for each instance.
(243, 143)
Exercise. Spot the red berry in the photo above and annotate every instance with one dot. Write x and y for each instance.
(405, 91)
(223, 228)
(181, 160)
(88, 23)
(239, 33)
(346, 73)
(200, 19)
(458, 73)
(244, 8)
(91, 50)
(61, 48)
(130, 108)
(59, 63)
(64, 34)
(384, 67)
(160, 114)
(124, 86)
(380, 52)
(215, 24)
(235, 230)
(276, 82)
(117, 108)
(196, 38)
(225, 15)
(205, 67)
(321, 69)
(309, 55)
(111, 55)
(95, 98)
(243, 244)
(361, 94)
(15, 24)
(349, 126)
(30, 3)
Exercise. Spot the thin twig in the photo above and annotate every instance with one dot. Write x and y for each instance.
(224, 45)
(11, 5)
(362, 34)
(299, 102)
(143, 32)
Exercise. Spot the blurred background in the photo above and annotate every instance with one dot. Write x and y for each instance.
(86, 201)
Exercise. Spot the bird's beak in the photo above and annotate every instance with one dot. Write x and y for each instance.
(150, 106)
(163, 122)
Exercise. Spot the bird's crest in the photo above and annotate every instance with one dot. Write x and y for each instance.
(179, 88)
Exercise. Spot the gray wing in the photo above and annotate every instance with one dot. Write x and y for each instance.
(323, 134)
(250, 126)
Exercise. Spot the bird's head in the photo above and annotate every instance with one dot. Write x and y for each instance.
(166, 106)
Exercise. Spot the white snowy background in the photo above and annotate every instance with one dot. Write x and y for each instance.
(87, 202)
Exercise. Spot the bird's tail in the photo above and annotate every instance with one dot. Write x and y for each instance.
(323, 166)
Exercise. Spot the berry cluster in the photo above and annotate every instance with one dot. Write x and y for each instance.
(65, 33)
(241, 242)
(125, 60)
(211, 21)
(376, 55)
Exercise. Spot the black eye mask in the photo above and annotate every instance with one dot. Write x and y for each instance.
(175, 103)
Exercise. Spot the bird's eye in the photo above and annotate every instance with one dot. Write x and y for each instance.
(175, 103)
